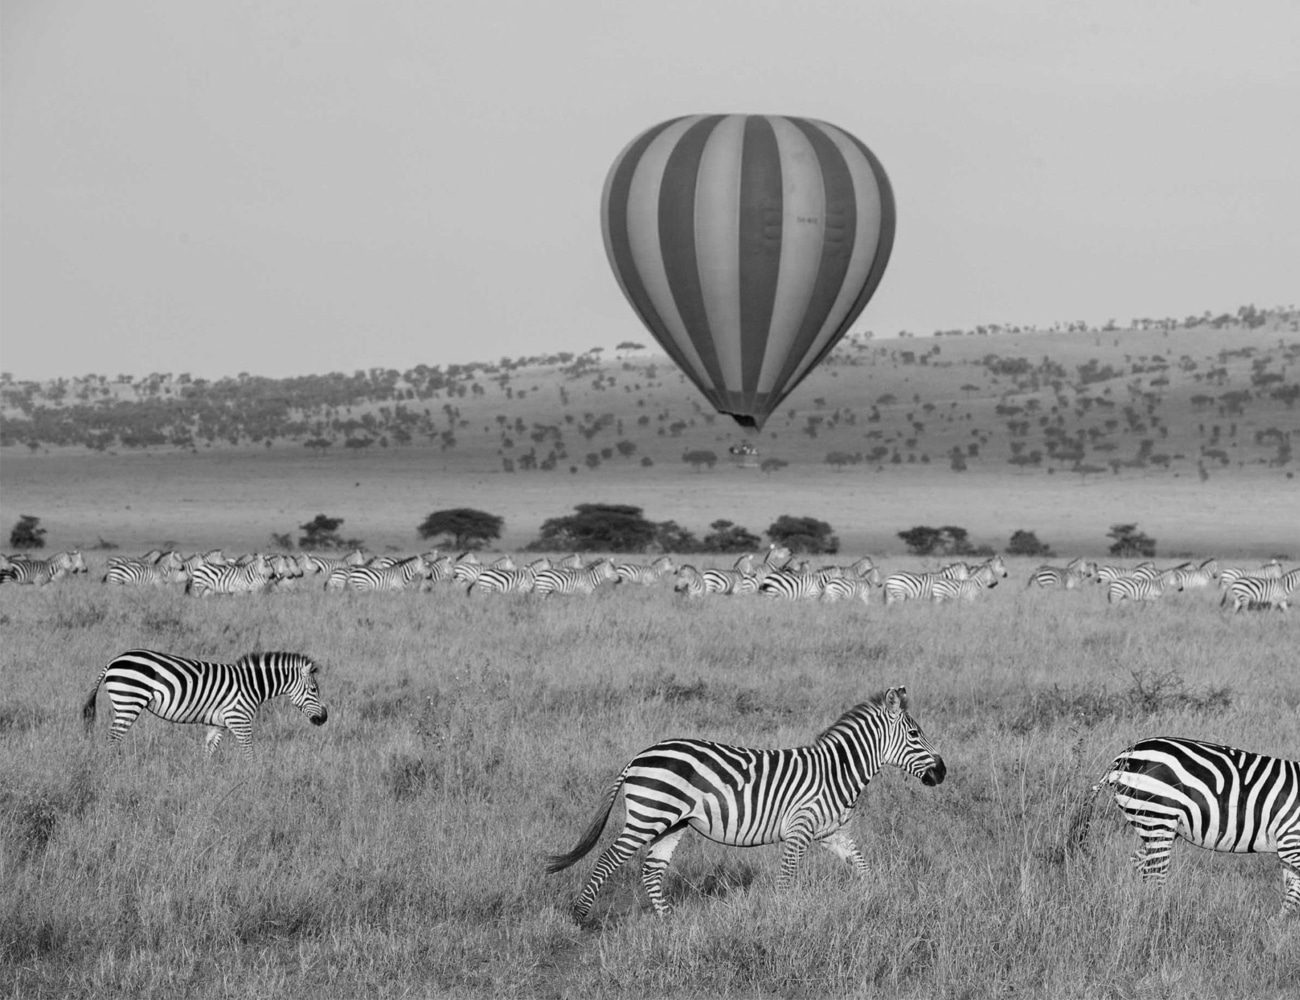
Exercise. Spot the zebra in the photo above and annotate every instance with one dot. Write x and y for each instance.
(905, 586)
(133, 573)
(1141, 587)
(851, 588)
(794, 585)
(1257, 593)
(983, 577)
(398, 576)
(1194, 578)
(690, 581)
(505, 581)
(40, 572)
(1070, 577)
(746, 797)
(567, 582)
(221, 696)
(207, 579)
(1217, 797)
(1271, 570)
(647, 576)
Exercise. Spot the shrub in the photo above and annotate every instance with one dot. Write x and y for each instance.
(1026, 543)
(1130, 542)
(923, 540)
(729, 537)
(696, 459)
(323, 533)
(27, 533)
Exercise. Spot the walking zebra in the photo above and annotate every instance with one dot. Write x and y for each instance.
(206, 579)
(794, 585)
(647, 576)
(690, 581)
(855, 588)
(39, 572)
(1258, 593)
(221, 696)
(133, 573)
(1070, 577)
(982, 578)
(904, 586)
(567, 582)
(399, 576)
(1271, 570)
(1201, 576)
(1217, 797)
(1139, 586)
(506, 581)
(746, 797)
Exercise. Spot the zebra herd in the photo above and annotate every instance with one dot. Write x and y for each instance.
(769, 574)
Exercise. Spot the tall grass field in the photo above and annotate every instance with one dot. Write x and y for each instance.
(399, 850)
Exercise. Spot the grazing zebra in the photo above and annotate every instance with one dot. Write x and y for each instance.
(745, 797)
(1258, 593)
(904, 586)
(982, 578)
(1070, 577)
(647, 576)
(567, 582)
(220, 696)
(846, 588)
(206, 579)
(1141, 587)
(399, 576)
(1217, 797)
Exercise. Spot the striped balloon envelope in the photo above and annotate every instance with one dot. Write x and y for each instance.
(747, 245)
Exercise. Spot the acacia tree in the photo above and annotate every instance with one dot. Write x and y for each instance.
(27, 533)
(1130, 542)
(597, 527)
(465, 527)
(803, 534)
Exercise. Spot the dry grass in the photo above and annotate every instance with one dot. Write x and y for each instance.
(398, 850)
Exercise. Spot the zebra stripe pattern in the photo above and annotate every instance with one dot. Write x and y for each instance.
(983, 578)
(39, 572)
(567, 582)
(904, 586)
(207, 579)
(1217, 797)
(399, 576)
(133, 573)
(745, 797)
(1142, 587)
(1069, 577)
(796, 586)
(1258, 593)
(221, 696)
(647, 576)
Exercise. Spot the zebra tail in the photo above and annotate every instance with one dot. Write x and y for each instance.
(88, 709)
(559, 862)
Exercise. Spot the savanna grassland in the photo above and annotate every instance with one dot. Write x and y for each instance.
(399, 849)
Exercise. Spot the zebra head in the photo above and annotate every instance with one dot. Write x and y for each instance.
(304, 692)
(905, 745)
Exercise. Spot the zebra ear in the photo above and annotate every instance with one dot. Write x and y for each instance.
(896, 700)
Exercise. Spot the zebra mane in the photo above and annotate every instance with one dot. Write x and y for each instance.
(861, 710)
(270, 659)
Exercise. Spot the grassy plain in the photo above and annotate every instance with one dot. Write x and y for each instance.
(398, 850)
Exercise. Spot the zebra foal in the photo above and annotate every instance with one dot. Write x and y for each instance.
(746, 797)
(221, 696)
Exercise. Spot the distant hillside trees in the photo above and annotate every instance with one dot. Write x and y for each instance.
(322, 532)
(1026, 543)
(949, 540)
(727, 537)
(464, 527)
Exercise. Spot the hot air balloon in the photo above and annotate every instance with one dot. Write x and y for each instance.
(747, 245)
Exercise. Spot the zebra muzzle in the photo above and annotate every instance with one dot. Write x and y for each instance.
(936, 774)
(319, 720)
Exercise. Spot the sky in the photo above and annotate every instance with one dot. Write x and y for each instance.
(220, 186)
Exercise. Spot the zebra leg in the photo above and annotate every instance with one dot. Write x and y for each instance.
(1152, 858)
(843, 847)
(241, 728)
(212, 740)
(627, 844)
(124, 714)
(652, 868)
(796, 841)
(1290, 858)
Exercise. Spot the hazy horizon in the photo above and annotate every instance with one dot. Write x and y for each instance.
(322, 187)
